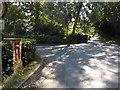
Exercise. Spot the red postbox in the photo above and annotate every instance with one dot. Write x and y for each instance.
(17, 49)
(16, 44)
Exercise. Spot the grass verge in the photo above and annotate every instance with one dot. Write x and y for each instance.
(18, 76)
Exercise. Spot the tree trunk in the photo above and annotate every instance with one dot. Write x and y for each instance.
(74, 27)
(76, 19)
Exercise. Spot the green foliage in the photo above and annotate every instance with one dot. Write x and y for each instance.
(28, 41)
(14, 20)
(28, 51)
(72, 38)
(38, 18)
(59, 10)
(16, 36)
(7, 59)
(39, 21)
(28, 54)
(64, 12)
(105, 17)
(77, 38)
(41, 38)
(17, 77)
(46, 39)
(52, 19)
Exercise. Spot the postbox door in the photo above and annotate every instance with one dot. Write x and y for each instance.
(17, 49)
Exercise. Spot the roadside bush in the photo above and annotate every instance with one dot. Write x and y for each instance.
(27, 55)
(7, 59)
(55, 39)
(45, 39)
(15, 36)
(28, 51)
(41, 38)
(77, 38)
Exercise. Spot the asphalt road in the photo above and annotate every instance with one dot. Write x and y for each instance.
(92, 65)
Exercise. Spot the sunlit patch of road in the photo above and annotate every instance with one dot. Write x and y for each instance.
(92, 65)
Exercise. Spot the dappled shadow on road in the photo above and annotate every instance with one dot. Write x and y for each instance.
(92, 65)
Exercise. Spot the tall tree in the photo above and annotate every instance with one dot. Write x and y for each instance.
(64, 12)
(14, 20)
(77, 16)
(106, 18)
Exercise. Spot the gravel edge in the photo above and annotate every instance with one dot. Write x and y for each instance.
(29, 76)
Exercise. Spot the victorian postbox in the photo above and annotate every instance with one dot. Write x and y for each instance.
(16, 44)
(17, 53)
(17, 49)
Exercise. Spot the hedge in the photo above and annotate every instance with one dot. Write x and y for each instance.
(28, 51)
(77, 38)
(27, 55)
(58, 39)
(7, 59)
(45, 39)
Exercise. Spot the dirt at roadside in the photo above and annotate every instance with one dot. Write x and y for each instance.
(31, 80)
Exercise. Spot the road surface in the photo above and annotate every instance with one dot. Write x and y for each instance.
(92, 65)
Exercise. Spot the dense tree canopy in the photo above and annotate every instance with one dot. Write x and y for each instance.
(14, 20)
(106, 19)
(63, 18)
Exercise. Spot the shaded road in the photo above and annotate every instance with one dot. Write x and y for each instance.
(92, 65)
